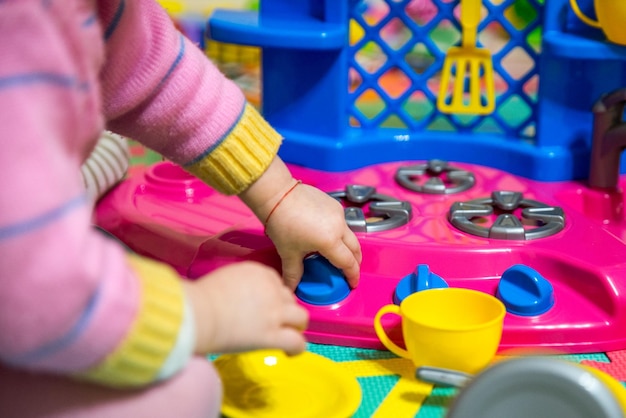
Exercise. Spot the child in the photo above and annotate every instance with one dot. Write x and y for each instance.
(87, 329)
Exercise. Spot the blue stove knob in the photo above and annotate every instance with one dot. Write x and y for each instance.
(421, 279)
(524, 291)
(322, 283)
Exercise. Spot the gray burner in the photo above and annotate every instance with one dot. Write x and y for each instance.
(442, 178)
(394, 212)
(550, 219)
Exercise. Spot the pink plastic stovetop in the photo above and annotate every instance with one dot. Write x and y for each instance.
(577, 243)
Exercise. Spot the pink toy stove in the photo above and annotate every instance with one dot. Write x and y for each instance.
(432, 223)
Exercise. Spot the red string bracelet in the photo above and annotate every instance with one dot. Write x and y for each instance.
(278, 203)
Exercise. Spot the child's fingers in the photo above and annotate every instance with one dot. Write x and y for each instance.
(290, 340)
(286, 293)
(295, 316)
(292, 270)
(344, 259)
(352, 242)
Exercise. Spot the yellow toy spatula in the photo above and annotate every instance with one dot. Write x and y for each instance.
(467, 63)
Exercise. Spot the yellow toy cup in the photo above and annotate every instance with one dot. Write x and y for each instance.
(452, 328)
(611, 18)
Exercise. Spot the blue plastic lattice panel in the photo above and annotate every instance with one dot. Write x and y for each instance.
(397, 52)
(353, 83)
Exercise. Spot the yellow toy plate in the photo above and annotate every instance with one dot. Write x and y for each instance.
(269, 383)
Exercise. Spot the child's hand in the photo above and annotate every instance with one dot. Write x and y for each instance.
(307, 221)
(303, 220)
(245, 306)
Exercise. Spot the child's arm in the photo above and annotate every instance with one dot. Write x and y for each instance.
(72, 302)
(162, 90)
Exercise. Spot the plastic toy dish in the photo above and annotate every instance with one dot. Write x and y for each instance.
(269, 383)
(540, 387)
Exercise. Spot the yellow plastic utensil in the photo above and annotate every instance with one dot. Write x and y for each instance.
(466, 63)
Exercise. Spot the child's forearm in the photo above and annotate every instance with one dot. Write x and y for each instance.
(265, 193)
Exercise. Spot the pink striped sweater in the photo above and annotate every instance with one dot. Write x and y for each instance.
(72, 301)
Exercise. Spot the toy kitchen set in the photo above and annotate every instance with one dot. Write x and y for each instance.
(509, 183)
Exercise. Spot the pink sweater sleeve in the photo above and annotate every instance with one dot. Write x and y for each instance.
(159, 88)
(71, 301)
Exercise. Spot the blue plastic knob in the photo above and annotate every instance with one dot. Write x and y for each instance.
(421, 279)
(322, 283)
(524, 291)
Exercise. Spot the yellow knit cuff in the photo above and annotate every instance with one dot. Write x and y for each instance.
(241, 158)
(138, 359)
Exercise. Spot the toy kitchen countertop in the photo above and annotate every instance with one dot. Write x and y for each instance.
(552, 251)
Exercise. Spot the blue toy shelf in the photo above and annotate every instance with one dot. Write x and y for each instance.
(327, 65)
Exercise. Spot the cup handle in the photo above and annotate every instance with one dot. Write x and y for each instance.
(582, 16)
(382, 335)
